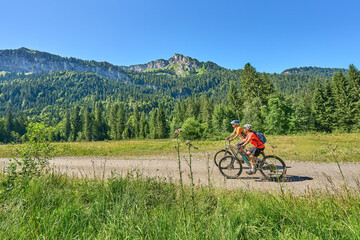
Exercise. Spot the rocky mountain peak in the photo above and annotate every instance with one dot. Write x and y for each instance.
(186, 63)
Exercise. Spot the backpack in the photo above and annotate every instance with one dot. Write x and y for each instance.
(261, 137)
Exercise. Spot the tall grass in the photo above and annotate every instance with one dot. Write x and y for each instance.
(59, 207)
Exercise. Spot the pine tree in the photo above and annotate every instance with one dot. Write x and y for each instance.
(206, 112)
(88, 125)
(136, 122)
(235, 103)
(162, 125)
(318, 107)
(8, 126)
(126, 133)
(179, 112)
(114, 121)
(20, 124)
(153, 127)
(100, 127)
(328, 121)
(76, 123)
(302, 119)
(222, 118)
(217, 119)
(121, 121)
(143, 128)
(345, 107)
(253, 114)
(67, 129)
(250, 80)
(255, 86)
(354, 81)
(266, 87)
(190, 108)
(2, 131)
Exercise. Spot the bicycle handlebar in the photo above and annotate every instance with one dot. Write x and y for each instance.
(227, 142)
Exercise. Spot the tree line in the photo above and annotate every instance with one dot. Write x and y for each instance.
(323, 105)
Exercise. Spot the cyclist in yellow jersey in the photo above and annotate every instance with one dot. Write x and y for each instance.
(238, 132)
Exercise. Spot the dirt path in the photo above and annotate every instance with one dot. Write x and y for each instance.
(301, 176)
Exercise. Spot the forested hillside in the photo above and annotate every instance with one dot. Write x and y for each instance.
(200, 97)
(317, 71)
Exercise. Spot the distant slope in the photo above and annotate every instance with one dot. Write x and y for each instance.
(36, 93)
(324, 72)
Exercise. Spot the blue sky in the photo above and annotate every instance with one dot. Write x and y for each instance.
(272, 35)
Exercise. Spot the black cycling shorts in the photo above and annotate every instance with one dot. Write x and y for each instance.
(256, 151)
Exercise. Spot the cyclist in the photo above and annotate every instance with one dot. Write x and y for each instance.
(238, 132)
(255, 151)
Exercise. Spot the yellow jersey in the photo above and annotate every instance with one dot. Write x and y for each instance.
(239, 131)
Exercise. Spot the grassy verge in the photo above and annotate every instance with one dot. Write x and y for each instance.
(297, 148)
(58, 207)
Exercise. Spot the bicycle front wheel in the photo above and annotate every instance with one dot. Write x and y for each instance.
(273, 168)
(230, 167)
(220, 154)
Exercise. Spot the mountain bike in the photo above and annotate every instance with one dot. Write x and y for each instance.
(228, 150)
(271, 167)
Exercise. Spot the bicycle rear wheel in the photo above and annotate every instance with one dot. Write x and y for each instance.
(273, 168)
(220, 154)
(230, 167)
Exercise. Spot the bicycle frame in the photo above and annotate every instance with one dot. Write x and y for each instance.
(237, 151)
(232, 149)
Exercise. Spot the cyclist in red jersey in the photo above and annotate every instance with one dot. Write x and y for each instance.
(255, 151)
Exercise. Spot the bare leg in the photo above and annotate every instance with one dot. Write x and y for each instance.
(252, 159)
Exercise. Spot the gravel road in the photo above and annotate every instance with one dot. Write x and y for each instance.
(302, 177)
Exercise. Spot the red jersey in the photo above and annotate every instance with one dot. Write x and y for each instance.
(255, 140)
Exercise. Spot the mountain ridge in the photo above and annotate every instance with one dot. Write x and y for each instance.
(24, 60)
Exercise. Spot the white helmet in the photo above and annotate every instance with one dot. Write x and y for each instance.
(247, 126)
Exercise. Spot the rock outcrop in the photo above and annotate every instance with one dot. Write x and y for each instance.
(24, 60)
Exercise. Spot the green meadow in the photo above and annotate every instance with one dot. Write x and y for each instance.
(315, 148)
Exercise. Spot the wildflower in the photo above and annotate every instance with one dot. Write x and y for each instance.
(177, 131)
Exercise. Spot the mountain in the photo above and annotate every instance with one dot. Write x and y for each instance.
(31, 81)
(24, 60)
(183, 64)
(324, 72)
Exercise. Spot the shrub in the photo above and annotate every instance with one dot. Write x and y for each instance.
(192, 129)
(32, 157)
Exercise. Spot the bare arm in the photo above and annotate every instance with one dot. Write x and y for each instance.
(235, 136)
(231, 135)
(246, 141)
